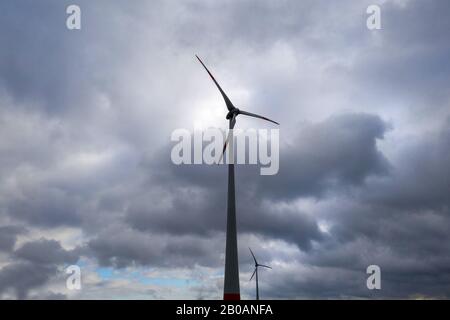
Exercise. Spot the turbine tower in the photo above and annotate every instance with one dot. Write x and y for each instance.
(231, 289)
(255, 272)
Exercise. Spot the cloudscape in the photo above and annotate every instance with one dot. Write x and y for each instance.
(86, 176)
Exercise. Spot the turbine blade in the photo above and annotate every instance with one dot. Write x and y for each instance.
(227, 101)
(245, 113)
(230, 136)
(253, 274)
(261, 265)
(256, 263)
(224, 148)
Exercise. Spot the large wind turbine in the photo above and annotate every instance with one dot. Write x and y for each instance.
(256, 272)
(231, 283)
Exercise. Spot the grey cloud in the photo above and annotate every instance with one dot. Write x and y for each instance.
(201, 218)
(318, 282)
(8, 236)
(341, 151)
(292, 226)
(337, 153)
(404, 65)
(399, 222)
(45, 208)
(23, 276)
(36, 263)
(22, 70)
(131, 248)
(422, 181)
(46, 252)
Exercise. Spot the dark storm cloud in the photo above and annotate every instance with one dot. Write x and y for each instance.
(316, 282)
(35, 264)
(46, 208)
(46, 252)
(404, 245)
(8, 237)
(337, 153)
(340, 151)
(344, 149)
(424, 182)
(131, 248)
(45, 66)
(407, 211)
(399, 222)
(202, 218)
(22, 70)
(23, 276)
(407, 64)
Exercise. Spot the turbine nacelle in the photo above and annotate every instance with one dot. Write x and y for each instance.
(232, 112)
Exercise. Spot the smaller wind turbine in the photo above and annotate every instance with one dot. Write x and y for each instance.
(256, 273)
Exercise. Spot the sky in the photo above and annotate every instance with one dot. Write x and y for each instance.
(86, 176)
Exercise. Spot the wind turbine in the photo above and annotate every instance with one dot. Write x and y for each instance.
(256, 273)
(231, 289)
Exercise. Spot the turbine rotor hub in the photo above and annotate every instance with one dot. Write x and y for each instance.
(232, 112)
